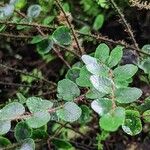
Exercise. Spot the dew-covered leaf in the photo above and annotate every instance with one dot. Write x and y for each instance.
(102, 84)
(28, 144)
(127, 95)
(125, 72)
(11, 111)
(102, 106)
(70, 112)
(36, 104)
(67, 90)
(4, 127)
(38, 119)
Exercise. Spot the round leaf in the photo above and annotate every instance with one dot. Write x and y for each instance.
(102, 106)
(67, 90)
(4, 142)
(112, 120)
(73, 74)
(70, 112)
(132, 124)
(146, 116)
(36, 104)
(4, 127)
(102, 52)
(34, 11)
(127, 95)
(102, 84)
(89, 59)
(11, 111)
(38, 119)
(22, 131)
(99, 20)
(125, 72)
(84, 78)
(62, 36)
(115, 56)
(28, 144)
(44, 46)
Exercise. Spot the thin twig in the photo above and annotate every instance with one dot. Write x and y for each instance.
(125, 23)
(28, 74)
(17, 84)
(26, 24)
(105, 39)
(71, 27)
(61, 57)
(15, 36)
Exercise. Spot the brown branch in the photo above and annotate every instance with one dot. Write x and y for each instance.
(15, 36)
(56, 50)
(28, 74)
(71, 27)
(106, 39)
(125, 23)
(26, 24)
(17, 84)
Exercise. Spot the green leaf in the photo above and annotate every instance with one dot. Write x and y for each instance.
(146, 116)
(61, 144)
(145, 65)
(21, 98)
(112, 120)
(146, 49)
(37, 39)
(62, 36)
(73, 74)
(94, 94)
(86, 114)
(103, 3)
(89, 59)
(132, 124)
(125, 72)
(6, 11)
(22, 131)
(102, 84)
(47, 20)
(40, 133)
(102, 52)
(70, 112)
(115, 56)
(84, 78)
(34, 11)
(38, 119)
(36, 104)
(4, 127)
(67, 90)
(127, 95)
(4, 142)
(144, 106)
(28, 144)
(11, 111)
(98, 23)
(19, 4)
(45, 46)
(102, 106)
(98, 69)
